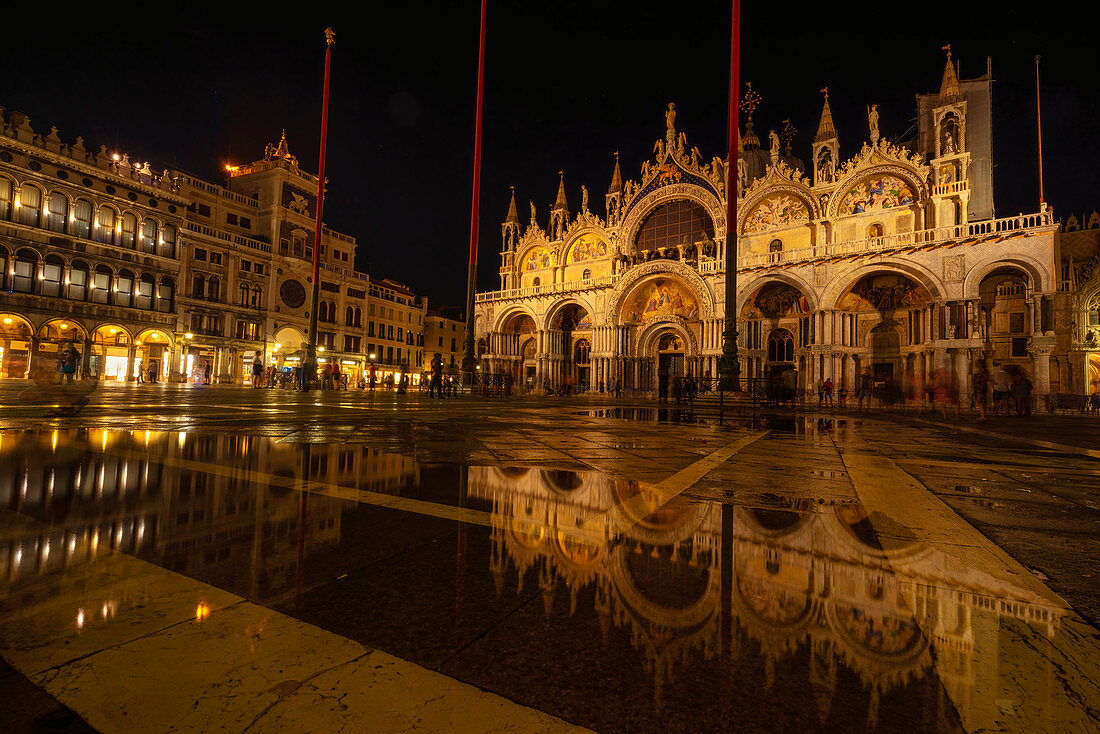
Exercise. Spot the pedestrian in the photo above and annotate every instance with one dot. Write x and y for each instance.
(69, 360)
(373, 377)
(863, 389)
(618, 387)
(675, 388)
(979, 383)
(152, 371)
(435, 387)
(206, 373)
(1002, 390)
(827, 386)
(842, 397)
(257, 373)
(946, 391)
(1021, 393)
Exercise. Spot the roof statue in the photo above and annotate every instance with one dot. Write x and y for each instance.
(280, 152)
(774, 140)
(949, 87)
(670, 126)
(513, 215)
(534, 217)
(872, 123)
(825, 128)
(584, 198)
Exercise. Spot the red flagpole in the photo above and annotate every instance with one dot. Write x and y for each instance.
(468, 359)
(731, 365)
(1039, 128)
(311, 368)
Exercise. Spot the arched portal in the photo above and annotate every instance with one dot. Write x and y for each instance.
(154, 349)
(1005, 318)
(15, 345)
(516, 347)
(886, 313)
(290, 349)
(772, 317)
(110, 353)
(570, 341)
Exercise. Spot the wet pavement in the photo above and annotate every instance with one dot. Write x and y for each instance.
(488, 566)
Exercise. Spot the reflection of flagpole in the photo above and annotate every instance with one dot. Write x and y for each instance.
(731, 366)
(1039, 128)
(471, 274)
(311, 368)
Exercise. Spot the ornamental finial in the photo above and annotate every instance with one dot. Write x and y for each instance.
(330, 37)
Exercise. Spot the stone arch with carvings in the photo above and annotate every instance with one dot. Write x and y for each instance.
(637, 274)
(906, 173)
(711, 204)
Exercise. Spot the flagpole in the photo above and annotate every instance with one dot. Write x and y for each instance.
(1039, 128)
(311, 368)
(730, 367)
(468, 358)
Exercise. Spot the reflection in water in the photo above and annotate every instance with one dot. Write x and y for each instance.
(813, 584)
(813, 590)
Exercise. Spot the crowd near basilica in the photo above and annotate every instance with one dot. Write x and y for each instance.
(876, 256)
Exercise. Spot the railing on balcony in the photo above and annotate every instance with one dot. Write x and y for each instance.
(951, 188)
(887, 243)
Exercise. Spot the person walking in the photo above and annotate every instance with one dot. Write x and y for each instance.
(435, 387)
(1021, 393)
(257, 373)
(979, 383)
(69, 361)
(1002, 390)
(946, 391)
(863, 389)
(827, 386)
(206, 369)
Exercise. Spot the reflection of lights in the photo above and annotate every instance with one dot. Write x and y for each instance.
(202, 611)
(72, 545)
(141, 530)
(46, 551)
(95, 542)
(104, 610)
(182, 439)
(80, 618)
(18, 555)
(53, 442)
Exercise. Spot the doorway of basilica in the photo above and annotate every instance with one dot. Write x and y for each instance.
(780, 351)
(670, 356)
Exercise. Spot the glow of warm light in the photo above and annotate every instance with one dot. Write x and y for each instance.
(372, 356)
(7, 321)
(154, 336)
(202, 611)
(182, 439)
(103, 611)
(115, 156)
(320, 349)
(64, 326)
(80, 618)
(188, 335)
(114, 331)
(53, 442)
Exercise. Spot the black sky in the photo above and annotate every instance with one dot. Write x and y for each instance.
(567, 84)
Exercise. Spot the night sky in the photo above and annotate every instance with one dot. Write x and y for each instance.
(567, 84)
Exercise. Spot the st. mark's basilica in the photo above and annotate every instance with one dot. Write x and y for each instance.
(885, 259)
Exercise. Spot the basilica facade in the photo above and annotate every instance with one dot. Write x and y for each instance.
(885, 259)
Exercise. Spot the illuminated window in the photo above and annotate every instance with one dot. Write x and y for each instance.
(169, 235)
(78, 281)
(105, 225)
(149, 235)
(674, 224)
(58, 212)
(51, 276)
(102, 282)
(129, 230)
(30, 205)
(82, 218)
(124, 288)
(6, 190)
(26, 262)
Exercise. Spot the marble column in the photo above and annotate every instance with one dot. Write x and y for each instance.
(1040, 380)
(131, 355)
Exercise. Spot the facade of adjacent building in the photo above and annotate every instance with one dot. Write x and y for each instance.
(886, 259)
(445, 335)
(166, 276)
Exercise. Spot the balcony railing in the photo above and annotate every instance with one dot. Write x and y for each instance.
(951, 188)
(976, 231)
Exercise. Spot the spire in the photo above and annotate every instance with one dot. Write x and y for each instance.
(825, 128)
(282, 151)
(560, 202)
(949, 87)
(513, 215)
(616, 177)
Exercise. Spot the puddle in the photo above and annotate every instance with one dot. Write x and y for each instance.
(553, 575)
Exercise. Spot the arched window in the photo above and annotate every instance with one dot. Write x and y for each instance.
(586, 275)
(358, 316)
(775, 251)
(101, 285)
(166, 295)
(198, 286)
(26, 263)
(58, 212)
(52, 269)
(213, 288)
(124, 288)
(78, 281)
(105, 225)
(145, 287)
(1011, 287)
(168, 232)
(257, 297)
(129, 230)
(3, 268)
(781, 346)
(536, 282)
(6, 190)
(874, 231)
(82, 219)
(674, 224)
(349, 317)
(581, 351)
(244, 294)
(149, 236)
(322, 311)
(30, 205)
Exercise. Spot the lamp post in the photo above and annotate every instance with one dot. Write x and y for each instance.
(311, 368)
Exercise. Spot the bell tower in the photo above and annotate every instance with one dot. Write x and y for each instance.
(614, 198)
(826, 148)
(950, 156)
(510, 234)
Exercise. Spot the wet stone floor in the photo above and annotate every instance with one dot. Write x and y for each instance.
(534, 568)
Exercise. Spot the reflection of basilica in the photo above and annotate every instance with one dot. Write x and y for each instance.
(815, 583)
(889, 261)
